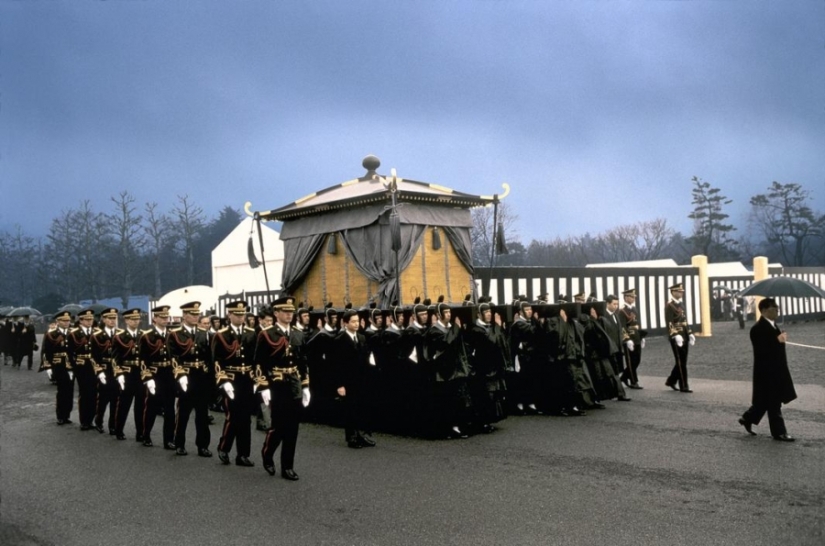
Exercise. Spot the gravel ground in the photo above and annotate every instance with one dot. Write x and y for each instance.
(727, 354)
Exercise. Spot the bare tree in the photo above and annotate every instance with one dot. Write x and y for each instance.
(189, 221)
(157, 231)
(19, 253)
(129, 241)
(91, 242)
(788, 222)
(481, 234)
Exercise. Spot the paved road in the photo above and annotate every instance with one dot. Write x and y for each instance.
(667, 468)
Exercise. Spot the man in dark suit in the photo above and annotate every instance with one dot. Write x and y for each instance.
(613, 327)
(233, 350)
(351, 365)
(772, 383)
(25, 342)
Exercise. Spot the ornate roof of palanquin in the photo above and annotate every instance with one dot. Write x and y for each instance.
(374, 188)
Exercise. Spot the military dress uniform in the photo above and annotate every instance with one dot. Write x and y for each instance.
(681, 336)
(156, 365)
(282, 369)
(107, 388)
(126, 364)
(56, 358)
(80, 349)
(191, 356)
(233, 349)
(633, 332)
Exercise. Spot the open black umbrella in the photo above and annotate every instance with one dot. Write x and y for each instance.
(98, 307)
(72, 308)
(24, 312)
(777, 287)
(5, 310)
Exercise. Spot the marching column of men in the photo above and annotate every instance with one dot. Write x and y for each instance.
(431, 371)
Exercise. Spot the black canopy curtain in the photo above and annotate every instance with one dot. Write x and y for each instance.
(365, 233)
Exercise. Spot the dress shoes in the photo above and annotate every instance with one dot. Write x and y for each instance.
(112, 432)
(86, 427)
(747, 426)
(597, 405)
(367, 441)
(270, 468)
(203, 452)
(120, 436)
(243, 461)
(139, 438)
(99, 428)
(289, 474)
(686, 389)
(487, 429)
(635, 386)
(223, 456)
(354, 444)
(671, 385)
(784, 438)
(170, 446)
(576, 412)
(181, 451)
(457, 433)
(147, 442)
(64, 421)
(623, 399)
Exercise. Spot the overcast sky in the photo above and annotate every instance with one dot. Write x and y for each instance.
(596, 113)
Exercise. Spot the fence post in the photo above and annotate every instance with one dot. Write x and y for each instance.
(760, 272)
(701, 262)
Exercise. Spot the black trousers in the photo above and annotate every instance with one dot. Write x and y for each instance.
(133, 390)
(86, 393)
(197, 397)
(286, 417)
(64, 401)
(238, 415)
(679, 373)
(775, 419)
(163, 400)
(19, 356)
(106, 399)
(635, 360)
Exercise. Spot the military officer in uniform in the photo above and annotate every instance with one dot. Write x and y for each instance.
(681, 337)
(58, 365)
(635, 339)
(191, 354)
(102, 356)
(126, 364)
(80, 349)
(233, 349)
(158, 377)
(283, 381)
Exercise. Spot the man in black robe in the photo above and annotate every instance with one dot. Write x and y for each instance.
(489, 360)
(772, 383)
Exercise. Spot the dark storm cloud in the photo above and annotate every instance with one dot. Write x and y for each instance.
(605, 106)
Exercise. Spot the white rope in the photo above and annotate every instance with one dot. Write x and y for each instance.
(808, 346)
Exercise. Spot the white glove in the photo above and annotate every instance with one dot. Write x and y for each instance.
(692, 340)
(184, 383)
(305, 396)
(122, 380)
(516, 364)
(151, 386)
(630, 345)
(229, 390)
(71, 376)
(102, 377)
(49, 373)
(643, 343)
(266, 396)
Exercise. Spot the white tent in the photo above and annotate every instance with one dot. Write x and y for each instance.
(231, 273)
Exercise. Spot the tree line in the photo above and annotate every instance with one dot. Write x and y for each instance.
(129, 249)
(133, 248)
(780, 224)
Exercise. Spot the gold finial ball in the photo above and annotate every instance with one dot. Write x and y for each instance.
(371, 163)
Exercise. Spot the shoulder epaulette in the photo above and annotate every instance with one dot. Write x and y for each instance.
(97, 331)
(248, 329)
(202, 329)
(119, 331)
(73, 330)
(175, 329)
(223, 330)
(146, 331)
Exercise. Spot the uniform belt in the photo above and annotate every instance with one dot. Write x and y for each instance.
(132, 362)
(291, 370)
(194, 364)
(59, 355)
(238, 368)
(161, 363)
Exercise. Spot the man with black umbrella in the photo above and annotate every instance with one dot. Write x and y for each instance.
(772, 383)
(25, 342)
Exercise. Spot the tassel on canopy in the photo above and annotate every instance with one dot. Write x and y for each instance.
(250, 252)
(395, 231)
(501, 245)
(436, 239)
